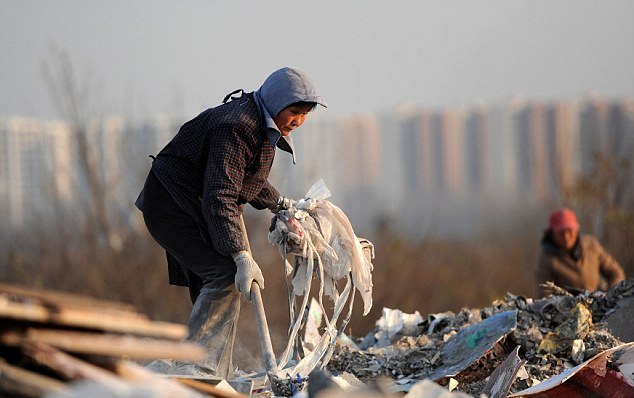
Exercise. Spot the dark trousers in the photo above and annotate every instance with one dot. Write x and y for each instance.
(210, 275)
(201, 263)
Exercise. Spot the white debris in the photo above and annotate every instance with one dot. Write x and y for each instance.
(321, 238)
(429, 389)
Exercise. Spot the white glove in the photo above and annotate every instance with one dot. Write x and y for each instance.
(248, 272)
(283, 203)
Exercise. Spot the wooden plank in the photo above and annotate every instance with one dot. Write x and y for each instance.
(23, 312)
(58, 298)
(78, 303)
(16, 381)
(107, 345)
(67, 366)
(122, 373)
(90, 319)
(206, 388)
(132, 371)
(115, 323)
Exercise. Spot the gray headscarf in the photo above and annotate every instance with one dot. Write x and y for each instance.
(282, 88)
(286, 86)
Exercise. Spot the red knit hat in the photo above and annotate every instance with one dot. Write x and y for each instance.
(563, 218)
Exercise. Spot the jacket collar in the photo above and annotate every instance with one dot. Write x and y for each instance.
(550, 247)
(272, 132)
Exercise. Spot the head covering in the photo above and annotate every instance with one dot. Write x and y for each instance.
(286, 86)
(563, 218)
(282, 88)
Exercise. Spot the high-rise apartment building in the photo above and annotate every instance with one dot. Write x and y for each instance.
(606, 129)
(593, 132)
(620, 123)
(451, 134)
(560, 146)
(529, 131)
(418, 154)
(418, 164)
(478, 152)
(32, 169)
(359, 163)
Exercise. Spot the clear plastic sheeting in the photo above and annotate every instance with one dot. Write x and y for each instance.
(322, 241)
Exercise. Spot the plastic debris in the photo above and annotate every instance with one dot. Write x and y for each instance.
(321, 238)
(475, 346)
(472, 343)
(503, 376)
(393, 322)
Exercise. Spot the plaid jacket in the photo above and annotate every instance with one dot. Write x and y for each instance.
(216, 163)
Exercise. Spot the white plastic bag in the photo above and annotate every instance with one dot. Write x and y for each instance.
(321, 237)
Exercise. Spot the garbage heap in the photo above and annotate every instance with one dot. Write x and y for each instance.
(540, 339)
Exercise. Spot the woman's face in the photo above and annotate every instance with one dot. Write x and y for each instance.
(291, 117)
(566, 238)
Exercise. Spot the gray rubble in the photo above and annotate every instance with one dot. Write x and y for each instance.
(516, 347)
(552, 334)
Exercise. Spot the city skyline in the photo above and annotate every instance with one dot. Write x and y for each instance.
(432, 167)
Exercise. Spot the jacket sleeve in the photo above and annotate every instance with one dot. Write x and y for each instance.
(609, 267)
(267, 197)
(223, 178)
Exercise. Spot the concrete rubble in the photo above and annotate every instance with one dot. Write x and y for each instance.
(574, 345)
(538, 340)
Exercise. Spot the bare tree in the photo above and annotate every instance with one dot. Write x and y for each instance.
(606, 199)
(72, 99)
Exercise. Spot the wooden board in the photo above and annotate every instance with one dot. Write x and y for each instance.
(87, 318)
(125, 346)
(131, 371)
(67, 366)
(16, 381)
(206, 388)
(79, 338)
(53, 297)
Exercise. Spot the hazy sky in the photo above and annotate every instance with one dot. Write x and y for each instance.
(152, 57)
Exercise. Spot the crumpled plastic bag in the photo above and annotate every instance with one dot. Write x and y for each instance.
(331, 235)
(322, 239)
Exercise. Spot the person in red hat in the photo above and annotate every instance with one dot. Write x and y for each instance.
(572, 260)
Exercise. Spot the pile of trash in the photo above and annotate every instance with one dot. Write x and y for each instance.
(64, 346)
(524, 341)
(513, 346)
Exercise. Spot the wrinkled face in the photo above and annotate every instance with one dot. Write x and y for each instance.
(566, 238)
(291, 117)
